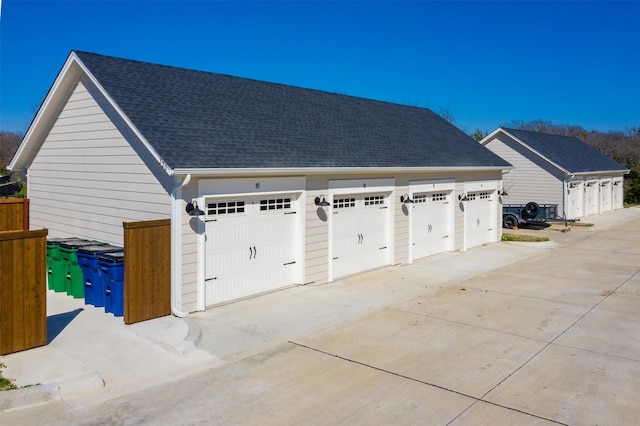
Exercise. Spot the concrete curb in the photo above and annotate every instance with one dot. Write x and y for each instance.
(42, 394)
(191, 343)
(35, 395)
(80, 384)
(187, 345)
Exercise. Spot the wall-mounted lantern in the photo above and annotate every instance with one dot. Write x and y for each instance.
(193, 209)
(404, 199)
(320, 201)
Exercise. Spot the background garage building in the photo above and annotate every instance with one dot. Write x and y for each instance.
(296, 185)
(555, 169)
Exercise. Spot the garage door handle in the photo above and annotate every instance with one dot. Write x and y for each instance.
(445, 236)
(252, 252)
(382, 248)
(290, 212)
(289, 263)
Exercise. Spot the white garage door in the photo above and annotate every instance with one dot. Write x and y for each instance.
(360, 233)
(479, 218)
(575, 193)
(605, 196)
(591, 197)
(431, 223)
(250, 245)
(617, 194)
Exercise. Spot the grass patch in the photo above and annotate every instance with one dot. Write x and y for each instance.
(523, 238)
(6, 384)
(583, 224)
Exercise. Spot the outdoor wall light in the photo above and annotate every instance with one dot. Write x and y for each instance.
(503, 193)
(404, 199)
(193, 210)
(616, 183)
(320, 201)
(463, 197)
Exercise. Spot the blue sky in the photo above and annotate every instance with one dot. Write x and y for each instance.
(487, 63)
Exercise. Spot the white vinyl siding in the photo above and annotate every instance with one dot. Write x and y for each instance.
(532, 178)
(316, 233)
(87, 178)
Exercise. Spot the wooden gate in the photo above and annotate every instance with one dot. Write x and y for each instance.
(147, 270)
(23, 290)
(14, 214)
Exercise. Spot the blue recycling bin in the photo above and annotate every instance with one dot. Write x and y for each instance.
(74, 280)
(111, 267)
(93, 282)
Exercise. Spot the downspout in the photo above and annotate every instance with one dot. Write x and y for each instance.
(176, 249)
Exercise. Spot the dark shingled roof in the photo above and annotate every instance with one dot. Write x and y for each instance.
(570, 153)
(196, 119)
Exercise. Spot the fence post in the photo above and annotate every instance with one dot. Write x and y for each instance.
(25, 214)
(23, 287)
(147, 270)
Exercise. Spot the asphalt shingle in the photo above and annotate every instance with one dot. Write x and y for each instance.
(196, 119)
(567, 152)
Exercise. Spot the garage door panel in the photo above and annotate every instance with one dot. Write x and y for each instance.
(605, 196)
(591, 198)
(575, 194)
(360, 233)
(479, 218)
(431, 223)
(225, 289)
(252, 251)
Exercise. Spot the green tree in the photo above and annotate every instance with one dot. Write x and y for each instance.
(479, 134)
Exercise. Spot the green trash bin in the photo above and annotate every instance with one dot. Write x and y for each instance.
(74, 278)
(55, 264)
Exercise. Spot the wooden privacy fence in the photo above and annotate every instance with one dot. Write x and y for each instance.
(147, 270)
(14, 214)
(23, 287)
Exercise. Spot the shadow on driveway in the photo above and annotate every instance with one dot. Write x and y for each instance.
(57, 323)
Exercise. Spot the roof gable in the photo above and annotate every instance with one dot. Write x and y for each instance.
(197, 119)
(568, 153)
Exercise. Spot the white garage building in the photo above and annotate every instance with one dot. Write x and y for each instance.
(297, 185)
(555, 169)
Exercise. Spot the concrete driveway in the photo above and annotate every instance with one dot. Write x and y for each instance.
(509, 333)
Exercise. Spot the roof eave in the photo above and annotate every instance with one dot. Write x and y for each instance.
(600, 172)
(326, 170)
